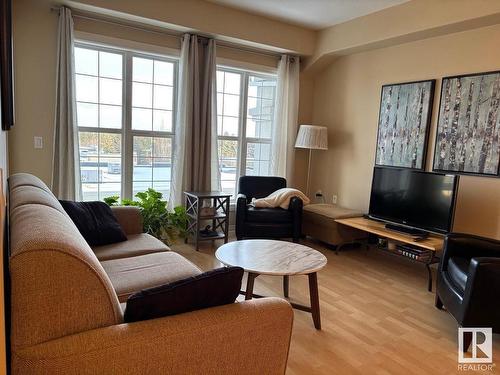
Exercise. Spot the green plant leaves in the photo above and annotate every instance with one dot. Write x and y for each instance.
(158, 221)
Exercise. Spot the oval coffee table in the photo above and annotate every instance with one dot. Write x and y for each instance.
(276, 258)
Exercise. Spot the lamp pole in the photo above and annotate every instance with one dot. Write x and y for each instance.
(309, 172)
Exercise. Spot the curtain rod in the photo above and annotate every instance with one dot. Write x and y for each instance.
(114, 21)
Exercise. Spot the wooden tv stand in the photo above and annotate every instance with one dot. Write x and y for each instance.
(433, 243)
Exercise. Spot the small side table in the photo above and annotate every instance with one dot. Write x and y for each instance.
(220, 218)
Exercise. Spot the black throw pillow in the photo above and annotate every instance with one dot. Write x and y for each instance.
(95, 221)
(213, 288)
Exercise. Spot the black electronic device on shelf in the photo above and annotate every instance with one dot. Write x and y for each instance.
(413, 202)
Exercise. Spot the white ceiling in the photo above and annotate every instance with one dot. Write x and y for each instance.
(315, 14)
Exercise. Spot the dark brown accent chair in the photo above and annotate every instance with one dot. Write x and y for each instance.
(469, 282)
(252, 222)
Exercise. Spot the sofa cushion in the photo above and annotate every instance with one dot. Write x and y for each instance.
(458, 271)
(330, 211)
(29, 194)
(26, 179)
(95, 221)
(130, 275)
(213, 288)
(136, 244)
(269, 215)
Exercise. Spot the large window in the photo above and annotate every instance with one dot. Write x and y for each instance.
(125, 112)
(245, 113)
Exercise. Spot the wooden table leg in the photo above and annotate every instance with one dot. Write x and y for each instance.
(250, 280)
(286, 285)
(314, 296)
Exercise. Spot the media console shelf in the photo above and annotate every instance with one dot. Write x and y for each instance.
(433, 243)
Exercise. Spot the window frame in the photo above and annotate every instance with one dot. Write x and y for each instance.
(242, 139)
(126, 131)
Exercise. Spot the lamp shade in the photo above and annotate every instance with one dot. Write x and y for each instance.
(312, 137)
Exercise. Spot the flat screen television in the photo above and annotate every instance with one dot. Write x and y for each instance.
(414, 199)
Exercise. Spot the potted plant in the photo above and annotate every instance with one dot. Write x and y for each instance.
(167, 226)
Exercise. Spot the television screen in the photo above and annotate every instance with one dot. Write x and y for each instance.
(416, 199)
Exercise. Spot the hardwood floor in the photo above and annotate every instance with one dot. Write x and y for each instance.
(376, 313)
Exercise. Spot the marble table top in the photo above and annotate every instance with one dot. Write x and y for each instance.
(270, 257)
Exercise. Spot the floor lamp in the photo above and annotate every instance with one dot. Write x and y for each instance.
(313, 138)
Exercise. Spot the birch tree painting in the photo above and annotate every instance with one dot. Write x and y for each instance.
(405, 111)
(467, 138)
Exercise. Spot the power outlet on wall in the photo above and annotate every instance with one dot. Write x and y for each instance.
(334, 199)
(38, 142)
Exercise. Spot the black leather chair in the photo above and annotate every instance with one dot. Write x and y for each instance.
(254, 222)
(468, 282)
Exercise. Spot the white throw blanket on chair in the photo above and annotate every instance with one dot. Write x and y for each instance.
(279, 198)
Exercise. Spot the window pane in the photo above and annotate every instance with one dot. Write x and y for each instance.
(142, 95)
(142, 70)
(89, 172)
(163, 97)
(269, 89)
(162, 170)
(140, 186)
(232, 83)
(162, 147)
(267, 107)
(141, 119)
(86, 89)
(164, 73)
(110, 65)
(220, 103)
(109, 145)
(253, 107)
(143, 147)
(86, 114)
(86, 61)
(110, 91)
(257, 159)
(110, 116)
(111, 170)
(88, 144)
(230, 126)
(114, 170)
(143, 169)
(220, 81)
(265, 151)
(253, 87)
(152, 164)
(252, 128)
(231, 105)
(109, 189)
(163, 187)
(90, 191)
(228, 163)
(219, 125)
(162, 121)
(100, 164)
(265, 129)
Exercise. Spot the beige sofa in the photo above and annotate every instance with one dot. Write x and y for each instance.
(66, 316)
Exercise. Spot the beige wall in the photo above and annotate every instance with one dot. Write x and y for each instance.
(346, 99)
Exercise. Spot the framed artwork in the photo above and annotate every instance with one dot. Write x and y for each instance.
(403, 124)
(6, 74)
(468, 130)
